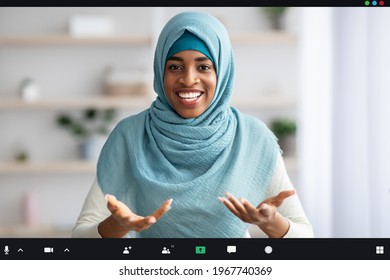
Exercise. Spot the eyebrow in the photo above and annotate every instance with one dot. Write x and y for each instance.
(200, 58)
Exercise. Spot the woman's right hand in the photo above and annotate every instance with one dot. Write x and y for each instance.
(123, 220)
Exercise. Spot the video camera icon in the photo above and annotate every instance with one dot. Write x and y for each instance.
(48, 250)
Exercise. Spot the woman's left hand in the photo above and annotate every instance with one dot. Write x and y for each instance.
(264, 215)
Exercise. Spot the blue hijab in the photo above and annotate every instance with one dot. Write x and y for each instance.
(156, 154)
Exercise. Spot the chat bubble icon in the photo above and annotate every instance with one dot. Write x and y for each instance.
(231, 249)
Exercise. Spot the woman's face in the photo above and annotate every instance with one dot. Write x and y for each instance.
(190, 80)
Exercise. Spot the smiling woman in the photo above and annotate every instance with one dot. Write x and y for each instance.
(175, 169)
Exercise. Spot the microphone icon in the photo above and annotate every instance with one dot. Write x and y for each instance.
(6, 250)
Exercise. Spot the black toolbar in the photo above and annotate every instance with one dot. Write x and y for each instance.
(194, 249)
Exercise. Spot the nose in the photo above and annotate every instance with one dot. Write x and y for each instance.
(189, 77)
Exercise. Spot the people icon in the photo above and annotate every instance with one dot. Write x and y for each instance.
(165, 251)
(126, 250)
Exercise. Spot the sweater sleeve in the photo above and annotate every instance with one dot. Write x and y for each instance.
(92, 213)
(291, 207)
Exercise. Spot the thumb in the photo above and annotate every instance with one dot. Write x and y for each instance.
(112, 202)
(266, 210)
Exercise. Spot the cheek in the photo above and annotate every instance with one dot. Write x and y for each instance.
(169, 80)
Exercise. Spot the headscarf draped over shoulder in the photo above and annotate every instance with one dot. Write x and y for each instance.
(156, 154)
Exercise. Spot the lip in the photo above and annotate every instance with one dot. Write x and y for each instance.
(186, 102)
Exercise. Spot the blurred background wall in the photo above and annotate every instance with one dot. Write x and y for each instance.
(322, 71)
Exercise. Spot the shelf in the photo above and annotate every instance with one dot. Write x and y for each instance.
(133, 103)
(263, 38)
(53, 167)
(76, 103)
(58, 39)
(74, 167)
(64, 39)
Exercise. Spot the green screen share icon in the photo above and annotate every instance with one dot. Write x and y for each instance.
(200, 250)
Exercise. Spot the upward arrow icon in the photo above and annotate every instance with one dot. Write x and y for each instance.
(20, 250)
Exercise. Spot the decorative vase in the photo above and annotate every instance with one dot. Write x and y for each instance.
(276, 21)
(29, 90)
(288, 145)
(275, 16)
(90, 147)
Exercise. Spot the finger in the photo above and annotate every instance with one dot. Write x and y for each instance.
(237, 204)
(164, 208)
(284, 194)
(117, 206)
(142, 223)
(250, 209)
(267, 210)
(278, 199)
(230, 206)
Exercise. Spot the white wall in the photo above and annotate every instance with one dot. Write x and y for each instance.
(361, 115)
(315, 115)
(344, 117)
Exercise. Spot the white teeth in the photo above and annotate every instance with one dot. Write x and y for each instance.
(189, 95)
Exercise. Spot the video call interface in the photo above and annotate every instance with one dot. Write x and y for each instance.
(315, 76)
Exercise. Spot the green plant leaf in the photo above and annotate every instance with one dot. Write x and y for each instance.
(274, 10)
(90, 114)
(79, 129)
(109, 114)
(64, 120)
(283, 126)
(93, 121)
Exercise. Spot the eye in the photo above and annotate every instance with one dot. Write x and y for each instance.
(204, 67)
(175, 67)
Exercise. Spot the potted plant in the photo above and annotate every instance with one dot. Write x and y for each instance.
(275, 16)
(285, 130)
(91, 130)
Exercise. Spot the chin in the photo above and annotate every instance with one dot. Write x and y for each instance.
(189, 114)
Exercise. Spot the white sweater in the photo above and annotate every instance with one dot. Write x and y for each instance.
(95, 209)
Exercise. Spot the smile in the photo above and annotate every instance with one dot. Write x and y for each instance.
(189, 96)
